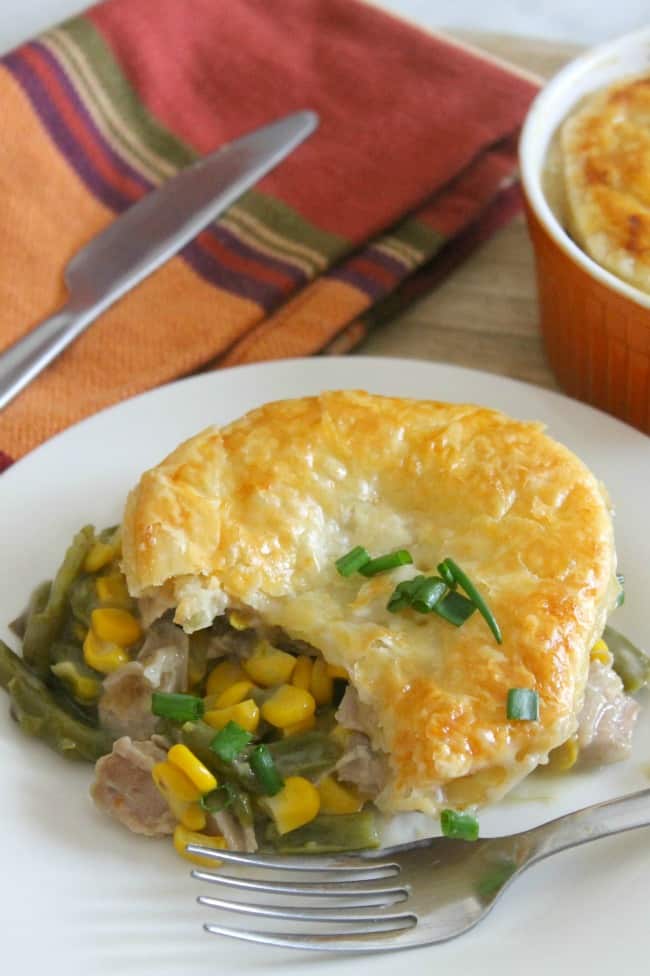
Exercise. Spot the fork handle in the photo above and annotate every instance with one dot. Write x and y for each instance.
(23, 361)
(591, 823)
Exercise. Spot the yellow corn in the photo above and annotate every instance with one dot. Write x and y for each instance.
(116, 625)
(288, 705)
(301, 676)
(223, 675)
(84, 688)
(246, 714)
(103, 656)
(336, 671)
(565, 756)
(296, 804)
(183, 837)
(173, 783)
(306, 725)
(193, 817)
(238, 620)
(112, 589)
(268, 665)
(322, 685)
(600, 652)
(99, 555)
(233, 695)
(336, 798)
(185, 760)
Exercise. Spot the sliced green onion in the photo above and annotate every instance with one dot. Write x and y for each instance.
(389, 561)
(230, 741)
(403, 594)
(523, 705)
(428, 594)
(463, 580)
(261, 762)
(177, 707)
(447, 575)
(218, 799)
(620, 599)
(352, 561)
(460, 826)
(455, 608)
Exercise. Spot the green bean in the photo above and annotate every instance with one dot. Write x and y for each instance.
(328, 833)
(631, 664)
(44, 627)
(37, 601)
(38, 713)
(83, 599)
(305, 754)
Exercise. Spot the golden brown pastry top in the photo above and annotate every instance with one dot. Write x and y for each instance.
(255, 514)
(606, 153)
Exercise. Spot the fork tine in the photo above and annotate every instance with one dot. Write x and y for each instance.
(304, 914)
(326, 889)
(313, 863)
(349, 940)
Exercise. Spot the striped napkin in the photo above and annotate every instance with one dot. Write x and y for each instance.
(413, 164)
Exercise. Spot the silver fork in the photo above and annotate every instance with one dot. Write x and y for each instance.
(410, 895)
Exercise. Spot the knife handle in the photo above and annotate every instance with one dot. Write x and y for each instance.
(20, 363)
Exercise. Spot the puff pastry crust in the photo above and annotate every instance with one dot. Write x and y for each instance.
(606, 152)
(256, 513)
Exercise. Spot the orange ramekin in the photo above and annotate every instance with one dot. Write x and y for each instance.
(596, 326)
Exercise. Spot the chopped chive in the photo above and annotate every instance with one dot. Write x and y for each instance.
(460, 826)
(264, 768)
(391, 560)
(455, 608)
(352, 561)
(177, 707)
(230, 741)
(218, 799)
(463, 580)
(620, 599)
(403, 593)
(428, 594)
(523, 705)
(447, 575)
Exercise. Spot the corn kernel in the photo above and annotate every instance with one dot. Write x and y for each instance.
(238, 620)
(183, 837)
(600, 652)
(268, 665)
(296, 804)
(112, 589)
(193, 817)
(336, 671)
(223, 675)
(233, 695)
(198, 774)
(172, 782)
(288, 705)
(301, 676)
(306, 725)
(565, 756)
(103, 656)
(116, 625)
(99, 555)
(337, 798)
(83, 687)
(246, 714)
(322, 685)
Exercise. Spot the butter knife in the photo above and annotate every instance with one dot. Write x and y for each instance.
(145, 236)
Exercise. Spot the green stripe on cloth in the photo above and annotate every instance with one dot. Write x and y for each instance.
(156, 154)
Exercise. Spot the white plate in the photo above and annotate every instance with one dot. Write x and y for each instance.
(81, 895)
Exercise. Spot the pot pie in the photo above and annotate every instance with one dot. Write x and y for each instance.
(332, 605)
(600, 165)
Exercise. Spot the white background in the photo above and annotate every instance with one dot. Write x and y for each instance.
(582, 21)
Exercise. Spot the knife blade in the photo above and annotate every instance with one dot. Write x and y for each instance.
(145, 236)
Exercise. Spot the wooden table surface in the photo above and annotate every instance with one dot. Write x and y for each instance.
(485, 314)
